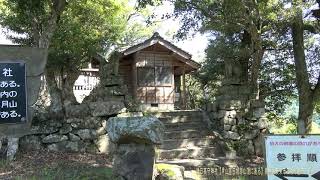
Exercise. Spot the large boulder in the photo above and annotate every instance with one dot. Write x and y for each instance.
(140, 130)
(106, 108)
(134, 161)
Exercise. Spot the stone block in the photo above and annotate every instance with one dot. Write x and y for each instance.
(104, 145)
(231, 135)
(230, 121)
(130, 114)
(258, 112)
(77, 111)
(221, 114)
(227, 127)
(234, 129)
(250, 148)
(262, 123)
(65, 129)
(230, 104)
(30, 142)
(231, 114)
(134, 161)
(106, 108)
(43, 129)
(169, 171)
(144, 130)
(53, 138)
(85, 122)
(86, 134)
(251, 134)
(73, 137)
(241, 121)
(67, 146)
(12, 148)
(101, 131)
(259, 145)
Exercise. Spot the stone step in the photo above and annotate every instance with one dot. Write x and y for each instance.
(185, 134)
(185, 126)
(190, 153)
(187, 143)
(176, 113)
(180, 119)
(193, 164)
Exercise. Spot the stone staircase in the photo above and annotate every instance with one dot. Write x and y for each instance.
(188, 141)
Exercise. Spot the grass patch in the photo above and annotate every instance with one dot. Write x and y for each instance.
(66, 172)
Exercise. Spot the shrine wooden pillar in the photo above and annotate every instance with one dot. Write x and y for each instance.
(184, 100)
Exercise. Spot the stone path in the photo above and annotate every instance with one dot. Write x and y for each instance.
(188, 141)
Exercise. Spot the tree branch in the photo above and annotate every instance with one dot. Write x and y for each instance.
(311, 28)
(57, 8)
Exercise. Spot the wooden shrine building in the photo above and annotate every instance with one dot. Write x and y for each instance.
(154, 72)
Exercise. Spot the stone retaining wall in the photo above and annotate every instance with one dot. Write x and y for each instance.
(83, 130)
(239, 119)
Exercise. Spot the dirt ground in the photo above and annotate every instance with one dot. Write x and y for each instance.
(43, 164)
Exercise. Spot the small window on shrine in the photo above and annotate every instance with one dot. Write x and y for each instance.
(146, 76)
(163, 76)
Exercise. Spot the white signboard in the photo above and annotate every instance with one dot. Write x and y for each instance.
(293, 157)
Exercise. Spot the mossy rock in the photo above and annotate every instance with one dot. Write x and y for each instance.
(169, 172)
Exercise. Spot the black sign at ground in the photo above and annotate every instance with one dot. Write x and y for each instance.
(13, 101)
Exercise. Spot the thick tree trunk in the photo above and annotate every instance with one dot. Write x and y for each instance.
(67, 88)
(56, 105)
(306, 95)
(44, 38)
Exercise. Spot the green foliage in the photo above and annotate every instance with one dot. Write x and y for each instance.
(200, 90)
(282, 124)
(26, 17)
(86, 27)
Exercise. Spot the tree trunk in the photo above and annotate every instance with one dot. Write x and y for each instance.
(257, 56)
(67, 87)
(306, 99)
(44, 38)
(56, 105)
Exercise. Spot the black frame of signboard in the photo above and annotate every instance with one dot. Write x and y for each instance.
(25, 90)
